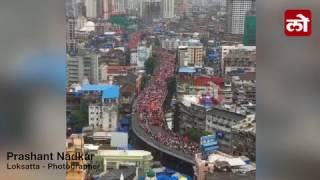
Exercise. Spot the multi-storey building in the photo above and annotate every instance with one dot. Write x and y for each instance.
(192, 117)
(71, 36)
(221, 166)
(118, 6)
(174, 43)
(91, 8)
(75, 144)
(168, 8)
(244, 138)
(103, 114)
(191, 55)
(249, 36)
(150, 10)
(237, 57)
(244, 88)
(221, 121)
(184, 57)
(107, 8)
(227, 93)
(236, 13)
(103, 117)
(82, 66)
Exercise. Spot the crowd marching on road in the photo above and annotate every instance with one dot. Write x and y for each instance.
(150, 106)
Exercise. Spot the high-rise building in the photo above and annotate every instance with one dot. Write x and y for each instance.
(107, 8)
(71, 38)
(118, 6)
(168, 8)
(249, 37)
(100, 8)
(179, 7)
(236, 13)
(150, 10)
(91, 8)
(81, 67)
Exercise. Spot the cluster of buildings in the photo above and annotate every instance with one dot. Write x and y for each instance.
(105, 8)
(106, 163)
(215, 79)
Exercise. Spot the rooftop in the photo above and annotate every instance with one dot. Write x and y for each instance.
(108, 91)
(187, 70)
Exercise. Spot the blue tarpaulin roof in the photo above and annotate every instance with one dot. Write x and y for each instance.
(163, 177)
(108, 91)
(111, 92)
(187, 70)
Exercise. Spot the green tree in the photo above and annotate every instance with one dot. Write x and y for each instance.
(150, 64)
(97, 161)
(79, 118)
(195, 134)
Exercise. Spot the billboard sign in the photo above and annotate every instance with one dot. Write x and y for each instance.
(209, 143)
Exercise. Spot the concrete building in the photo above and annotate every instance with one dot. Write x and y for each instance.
(139, 56)
(227, 93)
(236, 13)
(179, 7)
(244, 88)
(244, 138)
(174, 43)
(221, 121)
(150, 10)
(71, 36)
(221, 166)
(107, 8)
(114, 159)
(184, 57)
(75, 144)
(91, 8)
(239, 50)
(191, 55)
(192, 117)
(239, 61)
(118, 6)
(82, 66)
(103, 117)
(103, 111)
(168, 9)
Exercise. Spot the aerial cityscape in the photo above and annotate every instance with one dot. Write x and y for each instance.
(161, 89)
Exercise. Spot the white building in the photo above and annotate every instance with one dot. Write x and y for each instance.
(89, 26)
(71, 35)
(91, 8)
(140, 56)
(236, 11)
(103, 117)
(174, 43)
(118, 6)
(134, 58)
(168, 8)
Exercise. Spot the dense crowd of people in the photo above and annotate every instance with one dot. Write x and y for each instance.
(150, 106)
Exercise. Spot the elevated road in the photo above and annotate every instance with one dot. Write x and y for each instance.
(142, 135)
